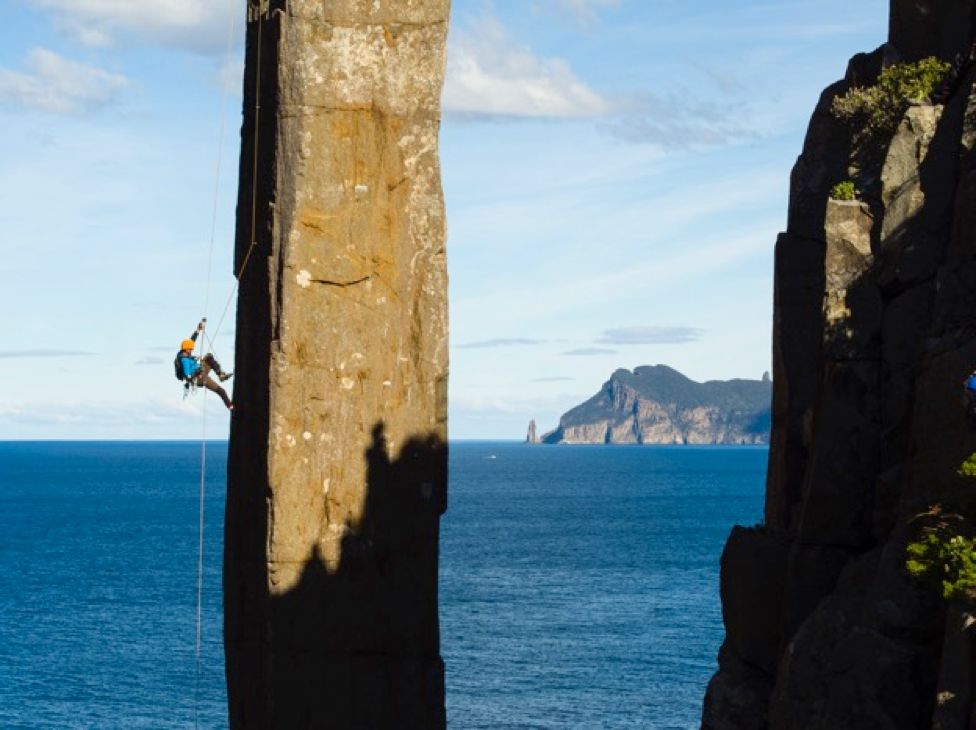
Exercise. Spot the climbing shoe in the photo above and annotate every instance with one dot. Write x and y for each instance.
(225, 376)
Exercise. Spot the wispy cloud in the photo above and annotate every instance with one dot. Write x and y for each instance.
(490, 75)
(96, 419)
(150, 361)
(553, 379)
(650, 335)
(500, 342)
(510, 415)
(584, 12)
(52, 83)
(230, 75)
(587, 351)
(203, 27)
(677, 121)
(5, 354)
(547, 298)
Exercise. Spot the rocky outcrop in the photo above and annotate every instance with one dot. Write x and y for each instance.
(532, 435)
(659, 405)
(875, 301)
(337, 464)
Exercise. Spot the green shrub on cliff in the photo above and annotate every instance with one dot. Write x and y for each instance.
(968, 467)
(844, 191)
(944, 551)
(950, 559)
(873, 112)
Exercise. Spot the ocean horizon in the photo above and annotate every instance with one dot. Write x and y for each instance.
(578, 583)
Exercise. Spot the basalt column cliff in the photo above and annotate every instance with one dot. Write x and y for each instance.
(874, 331)
(338, 465)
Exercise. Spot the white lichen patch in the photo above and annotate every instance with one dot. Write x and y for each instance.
(416, 146)
(387, 383)
(304, 279)
(307, 436)
(290, 440)
(361, 190)
(347, 383)
(325, 485)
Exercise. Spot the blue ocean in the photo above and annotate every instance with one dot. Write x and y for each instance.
(579, 584)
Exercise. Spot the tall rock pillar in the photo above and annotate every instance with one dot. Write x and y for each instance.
(338, 460)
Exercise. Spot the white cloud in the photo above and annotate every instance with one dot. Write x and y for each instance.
(584, 12)
(203, 27)
(230, 75)
(8, 354)
(501, 342)
(590, 351)
(677, 121)
(490, 75)
(650, 335)
(93, 419)
(528, 304)
(54, 84)
(485, 416)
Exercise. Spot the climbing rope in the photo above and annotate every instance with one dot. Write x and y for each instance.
(206, 344)
(208, 341)
(254, 174)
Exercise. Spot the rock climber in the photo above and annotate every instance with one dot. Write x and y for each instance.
(196, 371)
(969, 384)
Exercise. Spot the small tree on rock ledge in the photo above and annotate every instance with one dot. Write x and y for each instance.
(944, 552)
(873, 112)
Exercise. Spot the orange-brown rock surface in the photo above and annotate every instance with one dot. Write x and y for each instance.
(337, 464)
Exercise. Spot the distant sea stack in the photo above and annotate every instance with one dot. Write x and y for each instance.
(658, 405)
(532, 436)
(873, 333)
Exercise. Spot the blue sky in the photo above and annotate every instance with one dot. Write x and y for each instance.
(616, 172)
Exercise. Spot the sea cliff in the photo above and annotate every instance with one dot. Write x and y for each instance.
(875, 304)
(658, 405)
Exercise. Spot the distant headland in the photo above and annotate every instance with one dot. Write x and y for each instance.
(658, 405)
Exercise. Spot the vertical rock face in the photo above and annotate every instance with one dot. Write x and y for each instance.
(532, 435)
(337, 466)
(875, 302)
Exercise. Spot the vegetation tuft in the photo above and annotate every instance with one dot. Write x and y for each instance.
(949, 559)
(944, 550)
(844, 190)
(873, 112)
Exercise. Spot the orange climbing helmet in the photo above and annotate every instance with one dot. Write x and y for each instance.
(187, 345)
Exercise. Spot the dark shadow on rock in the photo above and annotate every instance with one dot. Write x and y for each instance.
(357, 646)
(868, 419)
